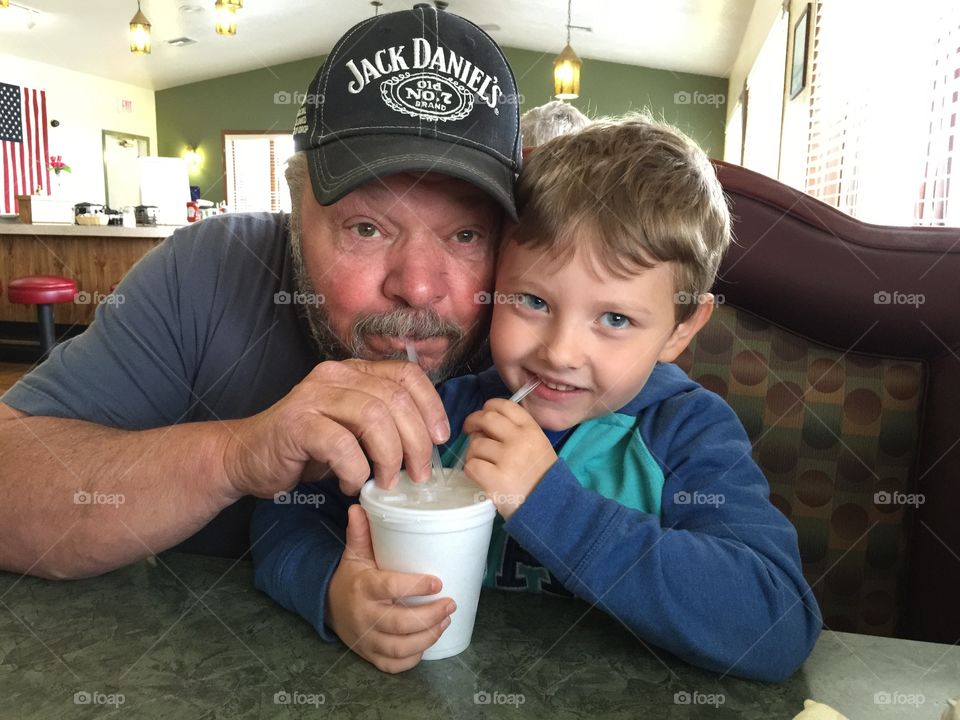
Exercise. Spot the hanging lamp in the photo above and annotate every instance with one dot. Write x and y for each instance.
(140, 33)
(226, 16)
(566, 69)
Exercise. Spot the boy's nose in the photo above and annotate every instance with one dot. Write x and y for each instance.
(563, 348)
(416, 272)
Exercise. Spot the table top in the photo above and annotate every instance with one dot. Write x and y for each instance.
(184, 636)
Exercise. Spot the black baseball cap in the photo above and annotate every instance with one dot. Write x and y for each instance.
(418, 90)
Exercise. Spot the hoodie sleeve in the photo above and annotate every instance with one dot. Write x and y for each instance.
(296, 547)
(716, 580)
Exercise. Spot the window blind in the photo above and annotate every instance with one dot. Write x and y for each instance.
(933, 204)
(255, 172)
(882, 110)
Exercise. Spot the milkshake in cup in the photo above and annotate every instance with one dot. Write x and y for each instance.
(440, 529)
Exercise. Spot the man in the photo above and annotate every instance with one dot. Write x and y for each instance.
(551, 120)
(225, 373)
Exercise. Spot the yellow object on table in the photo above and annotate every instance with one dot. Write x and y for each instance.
(818, 711)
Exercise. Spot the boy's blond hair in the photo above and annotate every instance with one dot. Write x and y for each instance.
(644, 190)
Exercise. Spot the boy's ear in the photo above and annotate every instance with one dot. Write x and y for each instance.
(685, 331)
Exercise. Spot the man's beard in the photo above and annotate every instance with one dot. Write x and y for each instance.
(465, 350)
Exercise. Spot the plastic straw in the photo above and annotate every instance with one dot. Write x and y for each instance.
(519, 395)
(525, 390)
(438, 471)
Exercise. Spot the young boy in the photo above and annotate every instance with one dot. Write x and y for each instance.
(618, 479)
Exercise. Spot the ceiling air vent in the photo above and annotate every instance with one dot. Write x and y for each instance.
(181, 41)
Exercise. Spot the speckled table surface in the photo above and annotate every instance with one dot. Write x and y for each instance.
(189, 637)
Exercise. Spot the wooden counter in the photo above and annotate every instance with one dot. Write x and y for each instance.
(96, 257)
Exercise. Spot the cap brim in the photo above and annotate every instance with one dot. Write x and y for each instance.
(341, 166)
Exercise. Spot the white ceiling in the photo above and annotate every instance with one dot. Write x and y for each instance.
(697, 36)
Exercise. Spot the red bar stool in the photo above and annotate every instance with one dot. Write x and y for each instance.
(43, 291)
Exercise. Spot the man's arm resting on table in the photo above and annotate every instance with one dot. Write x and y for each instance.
(145, 491)
(174, 480)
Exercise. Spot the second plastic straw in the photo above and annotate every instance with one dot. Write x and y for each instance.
(519, 395)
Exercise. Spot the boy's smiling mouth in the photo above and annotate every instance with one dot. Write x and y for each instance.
(551, 388)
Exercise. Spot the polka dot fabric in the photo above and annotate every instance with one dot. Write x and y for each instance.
(836, 436)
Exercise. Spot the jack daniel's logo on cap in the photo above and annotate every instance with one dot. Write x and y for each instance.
(446, 87)
(427, 95)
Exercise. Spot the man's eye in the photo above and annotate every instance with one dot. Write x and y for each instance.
(533, 302)
(614, 320)
(465, 237)
(367, 230)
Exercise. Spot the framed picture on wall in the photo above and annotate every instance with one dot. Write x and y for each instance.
(798, 66)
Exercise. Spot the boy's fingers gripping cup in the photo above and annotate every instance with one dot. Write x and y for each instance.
(442, 530)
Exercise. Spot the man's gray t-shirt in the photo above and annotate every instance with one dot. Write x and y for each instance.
(203, 334)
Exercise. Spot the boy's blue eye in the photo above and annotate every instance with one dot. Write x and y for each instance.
(533, 302)
(615, 320)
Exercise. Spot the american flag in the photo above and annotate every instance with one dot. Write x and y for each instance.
(23, 135)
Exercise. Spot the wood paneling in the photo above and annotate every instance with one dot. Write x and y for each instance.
(95, 263)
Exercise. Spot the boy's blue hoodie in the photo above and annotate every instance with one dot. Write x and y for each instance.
(656, 513)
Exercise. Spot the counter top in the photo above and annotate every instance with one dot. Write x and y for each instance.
(98, 231)
(186, 636)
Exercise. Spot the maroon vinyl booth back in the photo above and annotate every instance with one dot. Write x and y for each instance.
(838, 344)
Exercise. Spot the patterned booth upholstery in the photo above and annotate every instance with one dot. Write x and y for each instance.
(837, 343)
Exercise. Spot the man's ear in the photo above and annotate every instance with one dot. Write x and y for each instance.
(685, 331)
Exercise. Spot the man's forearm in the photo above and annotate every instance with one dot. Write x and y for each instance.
(79, 499)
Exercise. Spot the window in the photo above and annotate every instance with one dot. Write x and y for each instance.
(255, 165)
(764, 112)
(883, 107)
(733, 137)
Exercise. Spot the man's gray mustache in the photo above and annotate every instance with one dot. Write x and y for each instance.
(417, 326)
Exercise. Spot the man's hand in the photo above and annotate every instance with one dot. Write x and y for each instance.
(508, 453)
(388, 409)
(364, 605)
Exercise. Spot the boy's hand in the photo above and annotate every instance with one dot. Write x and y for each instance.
(364, 605)
(508, 453)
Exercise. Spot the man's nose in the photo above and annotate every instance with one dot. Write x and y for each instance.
(562, 346)
(416, 271)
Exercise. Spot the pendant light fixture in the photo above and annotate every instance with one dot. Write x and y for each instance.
(4, 3)
(140, 33)
(226, 16)
(566, 69)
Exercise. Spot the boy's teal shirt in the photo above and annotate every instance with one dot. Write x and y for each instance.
(604, 454)
(656, 513)
(608, 456)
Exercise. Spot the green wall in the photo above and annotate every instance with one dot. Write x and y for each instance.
(197, 114)
(262, 100)
(612, 89)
